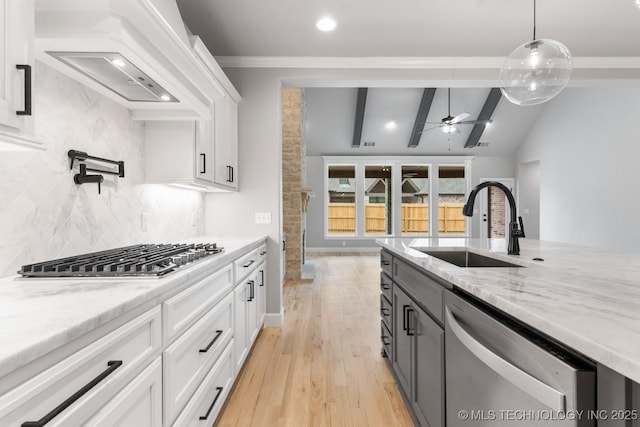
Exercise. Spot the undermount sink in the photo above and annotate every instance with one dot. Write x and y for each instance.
(468, 259)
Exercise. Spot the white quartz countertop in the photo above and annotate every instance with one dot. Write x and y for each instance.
(588, 299)
(40, 315)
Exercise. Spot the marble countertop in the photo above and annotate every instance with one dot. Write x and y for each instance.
(71, 307)
(586, 298)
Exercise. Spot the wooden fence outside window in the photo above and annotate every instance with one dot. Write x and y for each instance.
(415, 218)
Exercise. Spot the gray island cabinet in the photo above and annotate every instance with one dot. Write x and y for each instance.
(412, 312)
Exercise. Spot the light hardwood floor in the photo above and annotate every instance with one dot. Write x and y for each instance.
(323, 367)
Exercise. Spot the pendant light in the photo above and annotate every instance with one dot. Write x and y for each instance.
(536, 71)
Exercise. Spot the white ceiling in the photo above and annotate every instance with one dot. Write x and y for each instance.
(603, 33)
(330, 117)
(412, 28)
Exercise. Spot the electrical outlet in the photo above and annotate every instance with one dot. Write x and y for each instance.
(263, 218)
(144, 222)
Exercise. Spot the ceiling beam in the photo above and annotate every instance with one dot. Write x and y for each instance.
(485, 114)
(421, 117)
(357, 126)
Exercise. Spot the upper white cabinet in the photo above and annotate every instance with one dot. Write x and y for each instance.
(16, 78)
(201, 154)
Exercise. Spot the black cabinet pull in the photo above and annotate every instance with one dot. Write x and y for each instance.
(385, 263)
(228, 173)
(231, 173)
(204, 350)
(27, 90)
(404, 317)
(249, 263)
(263, 253)
(385, 340)
(385, 286)
(204, 162)
(251, 291)
(112, 366)
(385, 311)
(410, 332)
(215, 399)
(261, 277)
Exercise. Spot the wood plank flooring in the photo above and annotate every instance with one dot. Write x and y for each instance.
(323, 367)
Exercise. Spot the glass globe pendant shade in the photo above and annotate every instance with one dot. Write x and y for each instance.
(535, 72)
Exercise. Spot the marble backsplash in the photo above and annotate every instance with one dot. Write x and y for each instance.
(44, 215)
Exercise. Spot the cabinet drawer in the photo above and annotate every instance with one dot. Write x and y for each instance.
(385, 262)
(386, 286)
(386, 338)
(262, 253)
(423, 289)
(245, 265)
(139, 404)
(386, 312)
(189, 358)
(204, 407)
(106, 365)
(182, 310)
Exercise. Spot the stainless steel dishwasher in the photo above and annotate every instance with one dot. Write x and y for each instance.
(501, 373)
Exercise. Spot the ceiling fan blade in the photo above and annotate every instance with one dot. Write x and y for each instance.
(431, 128)
(475, 122)
(460, 117)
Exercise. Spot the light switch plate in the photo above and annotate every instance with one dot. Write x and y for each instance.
(263, 217)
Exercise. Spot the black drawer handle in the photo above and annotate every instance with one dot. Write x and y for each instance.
(204, 350)
(385, 311)
(212, 404)
(410, 331)
(385, 340)
(251, 291)
(229, 174)
(385, 286)
(27, 90)
(232, 177)
(204, 163)
(386, 263)
(404, 317)
(263, 253)
(261, 277)
(112, 366)
(249, 263)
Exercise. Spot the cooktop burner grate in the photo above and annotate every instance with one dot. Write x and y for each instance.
(136, 260)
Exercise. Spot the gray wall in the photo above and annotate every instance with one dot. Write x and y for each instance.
(528, 185)
(586, 141)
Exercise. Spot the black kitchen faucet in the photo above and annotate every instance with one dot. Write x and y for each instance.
(514, 231)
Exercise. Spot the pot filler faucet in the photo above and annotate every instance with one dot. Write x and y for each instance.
(514, 231)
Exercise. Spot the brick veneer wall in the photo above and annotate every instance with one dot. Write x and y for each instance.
(292, 179)
(498, 202)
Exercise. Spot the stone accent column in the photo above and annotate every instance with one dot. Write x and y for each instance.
(292, 180)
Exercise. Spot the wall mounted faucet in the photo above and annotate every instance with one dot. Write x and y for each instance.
(514, 231)
(83, 177)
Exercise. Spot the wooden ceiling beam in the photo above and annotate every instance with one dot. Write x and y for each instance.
(485, 114)
(357, 126)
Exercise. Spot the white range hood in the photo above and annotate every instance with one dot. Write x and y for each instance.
(136, 52)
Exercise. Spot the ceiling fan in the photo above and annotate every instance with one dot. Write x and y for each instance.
(450, 123)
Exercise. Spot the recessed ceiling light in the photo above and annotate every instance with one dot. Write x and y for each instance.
(118, 62)
(326, 24)
(391, 125)
(165, 97)
(638, 3)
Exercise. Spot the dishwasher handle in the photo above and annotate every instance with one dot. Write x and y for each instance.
(525, 382)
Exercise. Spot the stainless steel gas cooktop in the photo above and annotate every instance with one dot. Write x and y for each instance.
(137, 260)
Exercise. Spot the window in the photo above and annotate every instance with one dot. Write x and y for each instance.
(341, 210)
(378, 201)
(396, 196)
(415, 199)
(451, 198)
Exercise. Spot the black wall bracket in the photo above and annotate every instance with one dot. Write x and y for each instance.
(83, 178)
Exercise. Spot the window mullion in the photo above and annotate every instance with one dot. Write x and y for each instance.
(360, 200)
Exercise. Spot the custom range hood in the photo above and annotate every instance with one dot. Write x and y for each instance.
(136, 52)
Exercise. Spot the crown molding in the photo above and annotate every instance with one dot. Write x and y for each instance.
(333, 62)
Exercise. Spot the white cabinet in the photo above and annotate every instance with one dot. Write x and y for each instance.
(72, 391)
(240, 307)
(261, 292)
(16, 80)
(139, 404)
(226, 141)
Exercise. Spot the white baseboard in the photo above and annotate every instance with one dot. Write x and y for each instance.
(343, 249)
(274, 319)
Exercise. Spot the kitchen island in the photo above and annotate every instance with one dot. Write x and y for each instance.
(586, 298)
